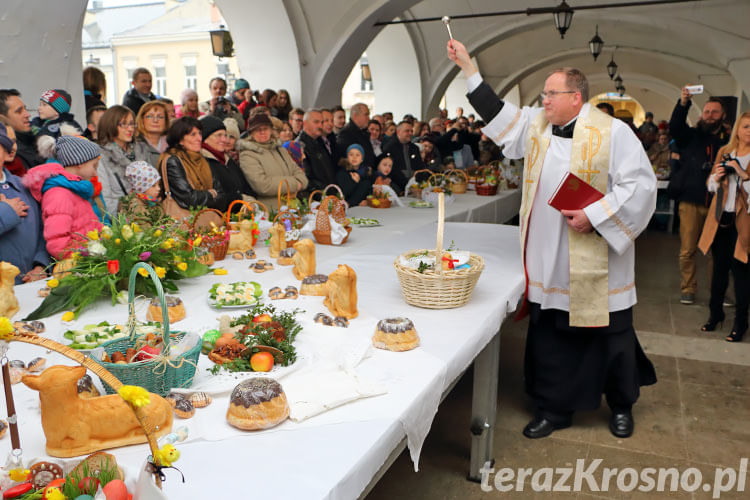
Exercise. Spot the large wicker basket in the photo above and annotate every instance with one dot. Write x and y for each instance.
(435, 288)
(246, 210)
(322, 231)
(459, 181)
(158, 376)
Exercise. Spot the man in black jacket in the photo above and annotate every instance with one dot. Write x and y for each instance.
(141, 91)
(319, 168)
(405, 155)
(14, 114)
(698, 147)
(328, 138)
(355, 132)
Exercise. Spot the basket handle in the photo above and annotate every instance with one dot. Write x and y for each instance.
(441, 228)
(439, 175)
(260, 205)
(288, 191)
(160, 293)
(287, 214)
(244, 205)
(195, 217)
(310, 198)
(341, 193)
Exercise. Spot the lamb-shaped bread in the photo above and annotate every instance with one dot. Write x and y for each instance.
(241, 241)
(304, 259)
(278, 240)
(8, 300)
(342, 292)
(77, 426)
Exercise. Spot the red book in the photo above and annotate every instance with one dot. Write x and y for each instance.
(574, 193)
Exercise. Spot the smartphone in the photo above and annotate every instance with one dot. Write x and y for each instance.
(694, 89)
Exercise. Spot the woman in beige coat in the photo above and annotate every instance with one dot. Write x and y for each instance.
(266, 163)
(727, 229)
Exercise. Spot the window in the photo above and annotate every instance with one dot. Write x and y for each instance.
(129, 65)
(365, 84)
(190, 63)
(160, 76)
(222, 70)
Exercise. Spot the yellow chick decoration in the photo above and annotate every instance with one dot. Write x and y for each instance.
(19, 475)
(54, 494)
(167, 455)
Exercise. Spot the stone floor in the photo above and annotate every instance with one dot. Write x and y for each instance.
(697, 415)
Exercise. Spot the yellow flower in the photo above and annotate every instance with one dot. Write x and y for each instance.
(93, 234)
(54, 494)
(135, 227)
(157, 233)
(197, 241)
(160, 272)
(68, 316)
(168, 243)
(177, 258)
(19, 474)
(117, 241)
(6, 328)
(127, 232)
(220, 271)
(106, 232)
(53, 283)
(182, 266)
(135, 395)
(143, 272)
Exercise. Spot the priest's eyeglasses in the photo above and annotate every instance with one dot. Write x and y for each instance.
(552, 93)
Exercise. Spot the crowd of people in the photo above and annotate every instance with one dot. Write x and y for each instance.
(61, 179)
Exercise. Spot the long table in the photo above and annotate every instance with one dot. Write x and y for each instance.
(338, 453)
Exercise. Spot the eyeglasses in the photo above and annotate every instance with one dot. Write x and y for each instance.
(157, 118)
(552, 93)
(126, 125)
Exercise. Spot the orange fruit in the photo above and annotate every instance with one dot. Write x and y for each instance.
(261, 361)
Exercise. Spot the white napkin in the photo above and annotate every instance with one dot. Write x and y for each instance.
(338, 233)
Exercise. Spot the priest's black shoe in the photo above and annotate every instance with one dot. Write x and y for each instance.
(541, 427)
(621, 424)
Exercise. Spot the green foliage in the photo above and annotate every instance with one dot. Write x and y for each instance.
(157, 239)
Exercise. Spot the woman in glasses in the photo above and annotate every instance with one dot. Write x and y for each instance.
(116, 133)
(151, 127)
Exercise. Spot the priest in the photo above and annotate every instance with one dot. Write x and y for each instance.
(579, 264)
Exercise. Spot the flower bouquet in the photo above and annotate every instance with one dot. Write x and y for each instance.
(102, 263)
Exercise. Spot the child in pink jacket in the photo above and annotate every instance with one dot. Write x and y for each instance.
(70, 206)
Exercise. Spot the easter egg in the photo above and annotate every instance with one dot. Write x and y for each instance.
(84, 497)
(115, 490)
(209, 339)
(17, 491)
(88, 485)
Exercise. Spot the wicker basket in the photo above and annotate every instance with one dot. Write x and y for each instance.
(438, 289)
(322, 231)
(289, 196)
(416, 191)
(218, 244)
(156, 376)
(488, 189)
(472, 174)
(459, 181)
(291, 235)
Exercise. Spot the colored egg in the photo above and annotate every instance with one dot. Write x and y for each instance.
(84, 497)
(115, 490)
(209, 340)
(17, 491)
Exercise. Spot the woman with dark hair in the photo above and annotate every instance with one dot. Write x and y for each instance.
(283, 105)
(191, 182)
(94, 87)
(268, 99)
(223, 167)
(115, 135)
(151, 127)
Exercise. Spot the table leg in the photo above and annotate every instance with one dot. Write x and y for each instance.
(484, 407)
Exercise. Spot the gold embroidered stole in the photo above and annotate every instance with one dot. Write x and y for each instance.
(589, 262)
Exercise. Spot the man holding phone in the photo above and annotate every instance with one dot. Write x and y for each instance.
(697, 147)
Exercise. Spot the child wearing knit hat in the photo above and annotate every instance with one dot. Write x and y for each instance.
(145, 181)
(54, 113)
(69, 193)
(354, 177)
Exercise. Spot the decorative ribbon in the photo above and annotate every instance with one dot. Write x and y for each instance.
(157, 470)
(450, 262)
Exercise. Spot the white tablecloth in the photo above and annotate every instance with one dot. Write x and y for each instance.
(335, 454)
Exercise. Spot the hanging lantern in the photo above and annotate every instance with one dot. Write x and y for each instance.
(221, 42)
(618, 81)
(563, 15)
(596, 44)
(612, 67)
